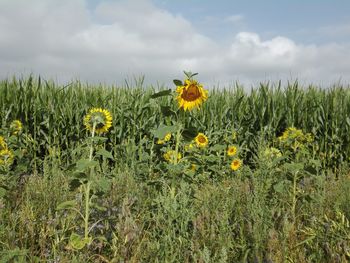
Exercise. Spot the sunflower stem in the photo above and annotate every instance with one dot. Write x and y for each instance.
(178, 136)
(87, 210)
(92, 142)
(87, 188)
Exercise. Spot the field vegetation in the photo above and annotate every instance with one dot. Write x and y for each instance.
(97, 173)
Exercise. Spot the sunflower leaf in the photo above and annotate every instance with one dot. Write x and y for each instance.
(161, 94)
(178, 82)
(102, 184)
(190, 133)
(83, 164)
(104, 153)
(167, 111)
(218, 147)
(163, 130)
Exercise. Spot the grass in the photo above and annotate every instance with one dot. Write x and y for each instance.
(288, 208)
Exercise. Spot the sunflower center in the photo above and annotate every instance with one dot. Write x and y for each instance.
(191, 93)
(201, 139)
(236, 163)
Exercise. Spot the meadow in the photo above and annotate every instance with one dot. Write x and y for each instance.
(98, 173)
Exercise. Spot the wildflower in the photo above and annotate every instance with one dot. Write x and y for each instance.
(3, 144)
(291, 133)
(191, 95)
(232, 150)
(189, 147)
(6, 157)
(169, 156)
(309, 138)
(166, 139)
(101, 118)
(201, 140)
(295, 138)
(16, 127)
(234, 135)
(193, 167)
(236, 164)
(272, 153)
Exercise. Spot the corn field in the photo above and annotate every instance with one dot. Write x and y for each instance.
(53, 114)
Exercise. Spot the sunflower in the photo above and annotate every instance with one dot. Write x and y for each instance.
(101, 118)
(272, 152)
(232, 150)
(201, 140)
(16, 126)
(6, 157)
(170, 156)
(166, 139)
(3, 144)
(191, 95)
(236, 164)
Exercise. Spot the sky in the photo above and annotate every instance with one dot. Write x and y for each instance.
(225, 41)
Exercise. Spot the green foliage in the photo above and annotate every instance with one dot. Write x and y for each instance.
(72, 197)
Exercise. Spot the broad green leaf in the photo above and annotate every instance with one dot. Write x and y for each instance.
(190, 133)
(74, 184)
(162, 130)
(84, 164)
(294, 167)
(161, 94)
(78, 242)
(279, 187)
(104, 153)
(103, 184)
(167, 111)
(211, 158)
(178, 82)
(218, 147)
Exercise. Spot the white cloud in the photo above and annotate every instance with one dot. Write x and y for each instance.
(63, 39)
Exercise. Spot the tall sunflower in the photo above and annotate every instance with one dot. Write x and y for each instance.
(201, 140)
(101, 118)
(191, 95)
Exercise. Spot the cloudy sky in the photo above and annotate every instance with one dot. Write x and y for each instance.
(224, 40)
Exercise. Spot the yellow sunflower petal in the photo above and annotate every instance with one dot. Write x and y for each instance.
(236, 164)
(191, 95)
(232, 150)
(201, 140)
(102, 119)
